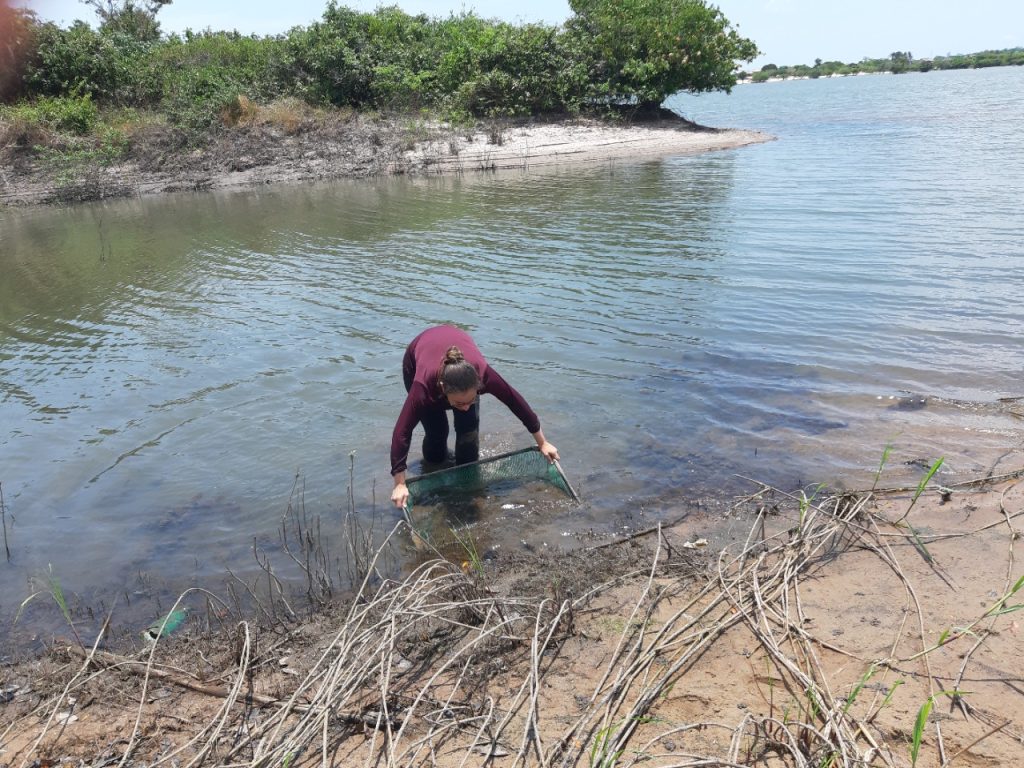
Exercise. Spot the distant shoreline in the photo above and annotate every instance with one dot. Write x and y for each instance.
(898, 64)
(833, 76)
(260, 154)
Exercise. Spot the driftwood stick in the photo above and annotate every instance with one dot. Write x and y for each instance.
(105, 659)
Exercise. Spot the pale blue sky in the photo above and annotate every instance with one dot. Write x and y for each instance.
(786, 31)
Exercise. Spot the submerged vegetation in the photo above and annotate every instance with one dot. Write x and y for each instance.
(897, 63)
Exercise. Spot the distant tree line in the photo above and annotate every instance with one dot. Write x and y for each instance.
(897, 63)
(610, 52)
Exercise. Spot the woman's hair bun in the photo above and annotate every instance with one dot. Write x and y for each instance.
(453, 355)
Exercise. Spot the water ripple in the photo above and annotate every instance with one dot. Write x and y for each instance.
(675, 323)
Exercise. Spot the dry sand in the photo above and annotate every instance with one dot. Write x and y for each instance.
(588, 142)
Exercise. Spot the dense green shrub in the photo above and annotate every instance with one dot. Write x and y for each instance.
(71, 114)
(401, 52)
(81, 61)
(332, 58)
(133, 18)
(508, 71)
(462, 64)
(261, 63)
(201, 75)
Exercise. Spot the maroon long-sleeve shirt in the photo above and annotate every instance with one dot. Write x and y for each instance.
(421, 369)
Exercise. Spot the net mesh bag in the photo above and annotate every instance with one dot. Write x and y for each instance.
(515, 467)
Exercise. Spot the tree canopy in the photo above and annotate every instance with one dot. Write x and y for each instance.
(646, 50)
(134, 18)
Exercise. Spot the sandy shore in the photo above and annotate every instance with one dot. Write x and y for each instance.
(868, 629)
(358, 147)
(545, 145)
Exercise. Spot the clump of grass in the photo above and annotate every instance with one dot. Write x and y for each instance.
(80, 162)
(74, 115)
(19, 135)
(54, 589)
(289, 115)
(601, 754)
(496, 135)
(473, 563)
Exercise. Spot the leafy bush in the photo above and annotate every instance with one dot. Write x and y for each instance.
(80, 61)
(610, 52)
(126, 18)
(502, 70)
(260, 65)
(332, 59)
(72, 115)
(203, 76)
(195, 99)
(462, 64)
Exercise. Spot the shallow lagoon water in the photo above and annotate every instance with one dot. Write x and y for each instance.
(777, 313)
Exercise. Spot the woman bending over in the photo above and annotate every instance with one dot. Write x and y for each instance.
(443, 370)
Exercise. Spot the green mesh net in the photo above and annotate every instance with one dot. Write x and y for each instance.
(516, 467)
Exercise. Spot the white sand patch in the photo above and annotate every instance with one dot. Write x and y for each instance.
(542, 145)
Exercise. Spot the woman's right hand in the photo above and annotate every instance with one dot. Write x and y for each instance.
(400, 495)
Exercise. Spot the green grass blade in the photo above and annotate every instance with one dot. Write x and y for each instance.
(889, 694)
(881, 464)
(926, 479)
(919, 724)
(58, 595)
(919, 545)
(858, 687)
(25, 602)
